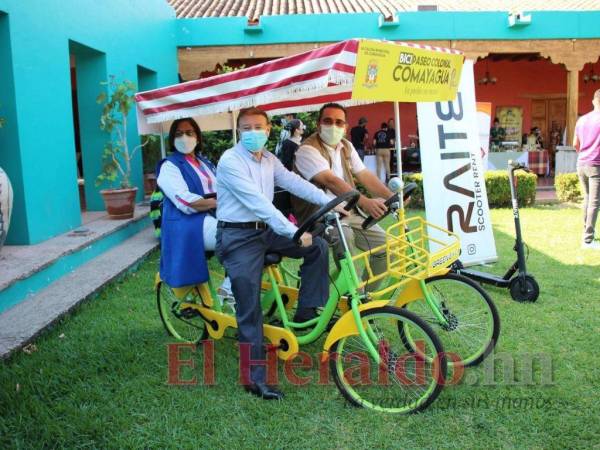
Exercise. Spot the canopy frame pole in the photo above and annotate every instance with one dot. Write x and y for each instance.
(398, 143)
(399, 158)
(163, 151)
(234, 126)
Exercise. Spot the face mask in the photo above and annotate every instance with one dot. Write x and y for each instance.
(331, 134)
(253, 140)
(185, 144)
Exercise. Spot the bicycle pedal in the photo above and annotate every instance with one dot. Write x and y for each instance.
(188, 313)
(276, 323)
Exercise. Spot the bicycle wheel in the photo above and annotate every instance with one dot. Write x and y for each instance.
(183, 323)
(404, 381)
(473, 322)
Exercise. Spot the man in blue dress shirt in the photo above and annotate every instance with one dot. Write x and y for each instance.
(250, 226)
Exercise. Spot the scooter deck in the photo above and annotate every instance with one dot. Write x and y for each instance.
(484, 277)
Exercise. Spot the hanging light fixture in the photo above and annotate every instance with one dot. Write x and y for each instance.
(591, 77)
(487, 78)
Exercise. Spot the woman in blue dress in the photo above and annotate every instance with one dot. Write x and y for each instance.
(188, 226)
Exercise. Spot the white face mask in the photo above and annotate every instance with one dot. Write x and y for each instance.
(185, 144)
(331, 134)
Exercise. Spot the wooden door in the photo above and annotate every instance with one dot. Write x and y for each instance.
(550, 116)
(557, 119)
(539, 116)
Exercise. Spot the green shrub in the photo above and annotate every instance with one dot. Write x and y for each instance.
(567, 187)
(151, 154)
(498, 188)
(496, 183)
(416, 199)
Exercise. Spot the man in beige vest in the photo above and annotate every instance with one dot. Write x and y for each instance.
(332, 163)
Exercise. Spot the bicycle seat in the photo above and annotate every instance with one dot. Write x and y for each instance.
(272, 258)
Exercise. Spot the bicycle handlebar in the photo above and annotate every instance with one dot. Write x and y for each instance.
(351, 197)
(516, 165)
(390, 203)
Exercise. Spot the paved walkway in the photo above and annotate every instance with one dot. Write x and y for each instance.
(20, 324)
(18, 262)
(545, 192)
(23, 322)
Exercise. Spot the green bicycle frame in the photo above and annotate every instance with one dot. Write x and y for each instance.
(346, 282)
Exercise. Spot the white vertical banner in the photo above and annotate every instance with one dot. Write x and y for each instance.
(453, 182)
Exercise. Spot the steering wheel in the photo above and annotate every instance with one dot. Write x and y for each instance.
(407, 192)
(351, 197)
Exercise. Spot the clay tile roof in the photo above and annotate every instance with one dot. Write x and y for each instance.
(253, 9)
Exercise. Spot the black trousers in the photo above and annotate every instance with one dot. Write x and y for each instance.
(242, 253)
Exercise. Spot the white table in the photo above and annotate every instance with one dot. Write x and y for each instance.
(566, 159)
(499, 160)
(371, 164)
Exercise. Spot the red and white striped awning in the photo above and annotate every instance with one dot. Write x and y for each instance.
(297, 83)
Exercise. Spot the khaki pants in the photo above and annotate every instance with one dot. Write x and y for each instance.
(383, 158)
(360, 240)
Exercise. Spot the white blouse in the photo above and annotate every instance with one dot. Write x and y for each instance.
(171, 182)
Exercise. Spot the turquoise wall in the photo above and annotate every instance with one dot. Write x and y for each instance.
(37, 147)
(422, 25)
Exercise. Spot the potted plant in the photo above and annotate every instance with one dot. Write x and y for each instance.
(6, 199)
(117, 157)
(150, 158)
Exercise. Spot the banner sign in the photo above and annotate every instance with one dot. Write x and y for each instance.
(392, 72)
(484, 122)
(453, 181)
(511, 119)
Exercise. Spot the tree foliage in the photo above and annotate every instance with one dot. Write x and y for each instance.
(116, 155)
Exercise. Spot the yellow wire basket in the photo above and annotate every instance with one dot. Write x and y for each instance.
(411, 253)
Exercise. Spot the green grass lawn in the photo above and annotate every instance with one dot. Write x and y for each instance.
(99, 377)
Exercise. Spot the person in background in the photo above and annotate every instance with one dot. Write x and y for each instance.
(188, 226)
(532, 139)
(383, 142)
(288, 149)
(537, 138)
(287, 155)
(283, 134)
(359, 136)
(587, 143)
(390, 129)
(497, 134)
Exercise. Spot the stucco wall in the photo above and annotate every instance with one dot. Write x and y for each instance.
(37, 146)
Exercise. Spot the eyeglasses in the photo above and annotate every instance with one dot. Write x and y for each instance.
(329, 121)
(190, 133)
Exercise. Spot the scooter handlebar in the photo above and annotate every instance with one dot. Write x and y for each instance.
(516, 165)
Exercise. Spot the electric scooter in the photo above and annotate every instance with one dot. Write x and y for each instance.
(523, 287)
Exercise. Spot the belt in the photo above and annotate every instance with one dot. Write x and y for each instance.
(246, 225)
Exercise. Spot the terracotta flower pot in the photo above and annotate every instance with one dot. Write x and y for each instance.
(6, 201)
(120, 203)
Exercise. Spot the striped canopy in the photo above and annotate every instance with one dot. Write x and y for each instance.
(302, 82)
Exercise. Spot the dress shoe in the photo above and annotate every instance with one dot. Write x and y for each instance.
(305, 314)
(264, 391)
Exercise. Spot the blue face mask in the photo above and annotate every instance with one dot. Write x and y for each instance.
(253, 140)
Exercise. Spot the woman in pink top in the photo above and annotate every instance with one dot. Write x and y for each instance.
(587, 143)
